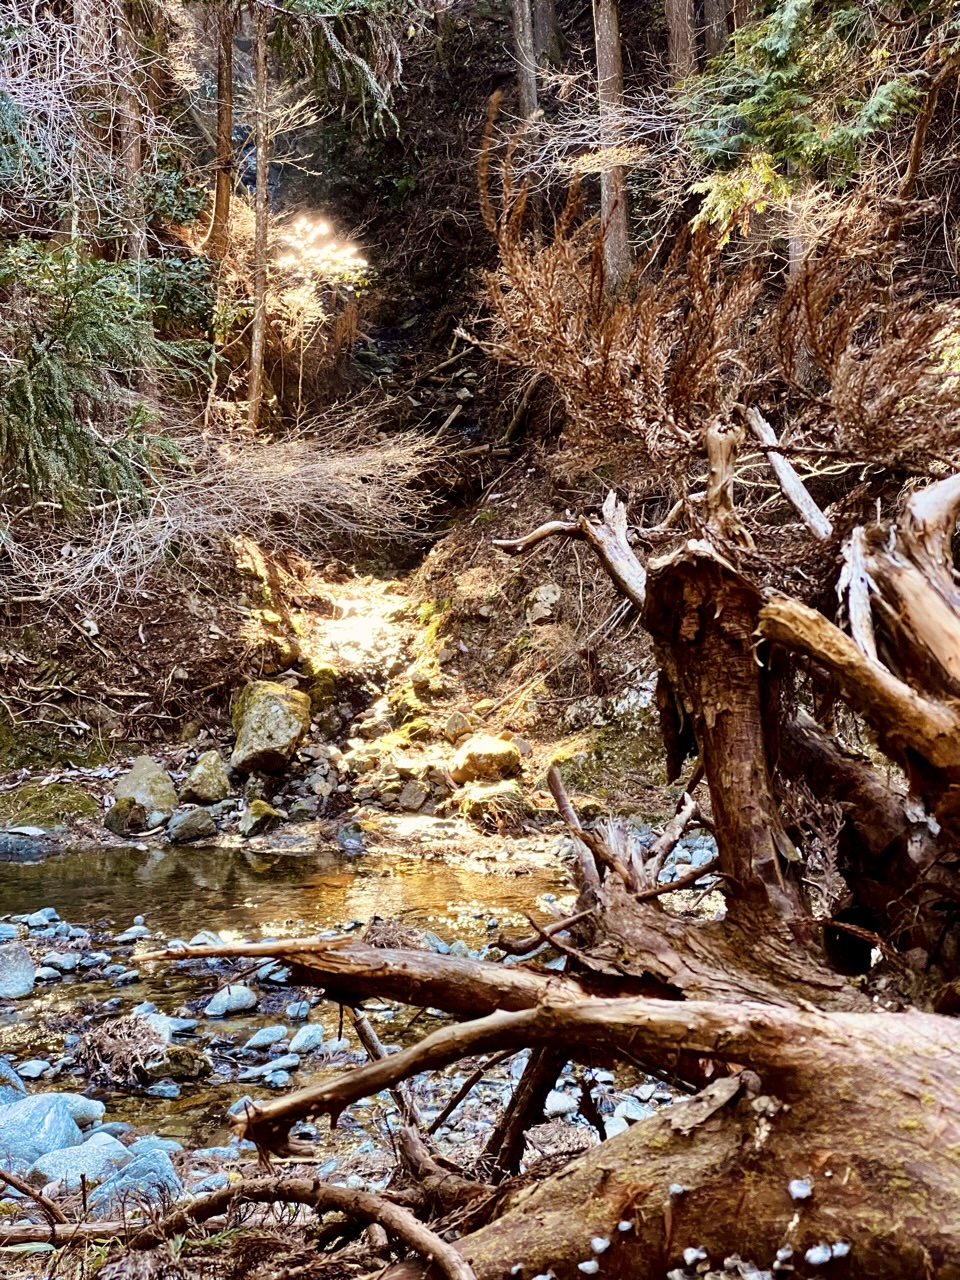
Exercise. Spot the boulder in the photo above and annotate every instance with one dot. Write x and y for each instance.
(270, 721)
(148, 785)
(266, 1036)
(235, 998)
(95, 1160)
(85, 1111)
(307, 1039)
(457, 726)
(16, 971)
(33, 1127)
(12, 1087)
(493, 801)
(188, 825)
(324, 684)
(207, 782)
(148, 1179)
(126, 817)
(258, 816)
(485, 758)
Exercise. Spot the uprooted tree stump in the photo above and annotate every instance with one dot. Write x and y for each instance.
(825, 1130)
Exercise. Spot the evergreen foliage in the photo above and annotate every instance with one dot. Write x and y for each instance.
(75, 342)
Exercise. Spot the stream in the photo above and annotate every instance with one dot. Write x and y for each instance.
(241, 893)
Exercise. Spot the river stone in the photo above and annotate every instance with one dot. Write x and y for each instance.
(85, 1111)
(178, 1062)
(482, 800)
(456, 727)
(33, 1127)
(154, 1142)
(11, 1086)
(40, 919)
(147, 1179)
(270, 721)
(149, 785)
(8, 932)
(65, 961)
(188, 825)
(483, 757)
(265, 1037)
(95, 1160)
(413, 796)
(16, 971)
(307, 1039)
(34, 1068)
(286, 1063)
(207, 781)
(559, 1103)
(126, 817)
(235, 998)
(258, 816)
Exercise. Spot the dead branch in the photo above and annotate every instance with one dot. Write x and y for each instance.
(52, 1212)
(63, 1234)
(318, 1195)
(794, 490)
(854, 580)
(903, 716)
(356, 972)
(446, 1188)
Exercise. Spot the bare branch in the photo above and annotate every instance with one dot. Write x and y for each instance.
(794, 490)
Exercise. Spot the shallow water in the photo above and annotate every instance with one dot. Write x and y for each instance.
(240, 893)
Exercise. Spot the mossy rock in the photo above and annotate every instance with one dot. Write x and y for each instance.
(483, 757)
(405, 704)
(601, 761)
(270, 721)
(148, 784)
(33, 805)
(126, 817)
(494, 803)
(324, 683)
(258, 817)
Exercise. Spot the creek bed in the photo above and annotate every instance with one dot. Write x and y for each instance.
(248, 894)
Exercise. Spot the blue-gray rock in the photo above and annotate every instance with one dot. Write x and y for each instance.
(8, 932)
(46, 974)
(265, 1037)
(95, 1160)
(631, 1109)
(239, 1107)
(164, 1089)
(277, 1079)
(307, 1039)
(40, 919)
(143, 1008)
(85, 1111)
(154, 1143)
(65, 961)
(11, 1086)
(559, 1104)
(126, 978)
(147, 1179)
(435, 943)
(16, 971)
(33, 1127)
(298, 1010)
(212, 1182)
(235, 998)
(614, 1125)
(205, 938)
(34, 1068)
(189, 825)
(94, 958)
(285, 1063)
(459, 948)
(115, 1128)
(133, 934)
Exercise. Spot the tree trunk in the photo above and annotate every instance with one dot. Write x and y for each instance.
(523, 38)
(546, 33)
(681, 39)
(715, 15)
(218, 235)
(262, 216)
(130, 130)
(614, 207)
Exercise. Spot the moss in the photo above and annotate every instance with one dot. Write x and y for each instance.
(405, 704)
(599, 760)
(38, 806)
(24, 746)
(324, 681)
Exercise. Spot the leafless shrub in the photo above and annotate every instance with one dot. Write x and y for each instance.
(333, 482)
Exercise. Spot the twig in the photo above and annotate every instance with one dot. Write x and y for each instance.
(468, 1085)
(794, 490)
(596, 844)
(683, 882)
(322, 1197)
(371, 1042)
(520, 946)
(52, 1212)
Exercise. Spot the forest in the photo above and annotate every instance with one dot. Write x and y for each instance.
(479, 639)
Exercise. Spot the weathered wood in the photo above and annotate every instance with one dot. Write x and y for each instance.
(794, 490)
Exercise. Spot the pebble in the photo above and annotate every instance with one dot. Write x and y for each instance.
(308, 1039)
(164, 1089)
(277, 1079)
(40, 919)
(133, 934)
(266, 1037)
(559, 1104)
(298, 1010)
(8, 932)
(590, 1267)
(235, 998)
(62, 960)
(94, 958)
(46, 974)
(34, 1068)
(800, 1188)
(278, 1064)
(818, 1254)
(127, 977)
